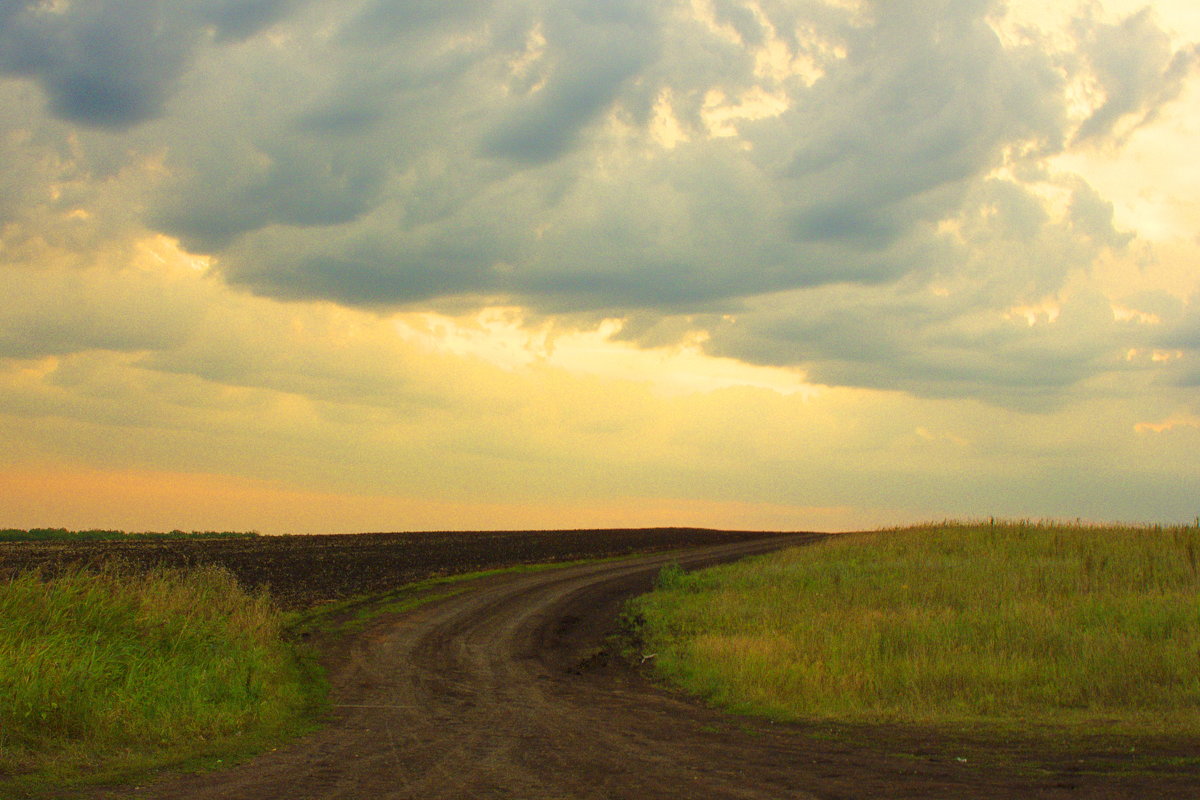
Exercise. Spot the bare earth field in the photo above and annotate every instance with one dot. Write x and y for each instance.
(513, 689)
(301, 571)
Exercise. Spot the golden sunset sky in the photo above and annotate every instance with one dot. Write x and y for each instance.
(299, 266)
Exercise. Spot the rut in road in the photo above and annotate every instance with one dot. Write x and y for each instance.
(491, 694)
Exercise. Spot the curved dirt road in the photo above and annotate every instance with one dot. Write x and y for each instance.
(505, 692)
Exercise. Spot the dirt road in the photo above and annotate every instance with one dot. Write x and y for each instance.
(505, 691)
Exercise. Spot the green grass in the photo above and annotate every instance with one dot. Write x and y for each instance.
(98, 535)
(1015, 625)
(109, 673)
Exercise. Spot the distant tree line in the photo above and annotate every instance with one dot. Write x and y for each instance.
(62, 534)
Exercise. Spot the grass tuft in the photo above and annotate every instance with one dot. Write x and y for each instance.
(117, 669)
(1010, 624)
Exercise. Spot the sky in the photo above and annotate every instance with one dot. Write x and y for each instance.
(299, 266)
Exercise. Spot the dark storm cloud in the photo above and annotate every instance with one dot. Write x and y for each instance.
(843, 186)
(115, 63)
(232, 20)
(971, 340)
(924, 103)
(935, 347)
(297, 184)
(386, 154)
(596, 49)
(382, 22)
(109, 63)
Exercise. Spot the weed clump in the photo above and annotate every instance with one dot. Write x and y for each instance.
(108, 666)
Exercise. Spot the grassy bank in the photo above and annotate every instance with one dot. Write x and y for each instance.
(104, 674)
(1012, 625)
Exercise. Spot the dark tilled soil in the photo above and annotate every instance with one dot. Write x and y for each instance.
(513, 690)
(301, 571)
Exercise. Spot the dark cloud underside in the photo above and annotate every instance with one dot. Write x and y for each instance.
(387, 155)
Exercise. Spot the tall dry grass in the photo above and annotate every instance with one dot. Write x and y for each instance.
(1011, 623)
(112, 667)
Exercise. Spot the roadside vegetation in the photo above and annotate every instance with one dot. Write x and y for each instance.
(1018, 625)
(109, 673)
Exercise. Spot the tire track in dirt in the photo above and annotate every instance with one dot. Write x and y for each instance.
(505, 692)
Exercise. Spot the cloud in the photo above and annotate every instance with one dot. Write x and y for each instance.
(596, 49)
(531, 173)
(1180, 339)
(60, 312)
(926, 101)
(116, 63)
(931, 346)
(1137, 71)
(233, 20)
(960, 327)
(865, 187)
(168, 372)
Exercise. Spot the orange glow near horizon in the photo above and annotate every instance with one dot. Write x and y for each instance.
(80, 499)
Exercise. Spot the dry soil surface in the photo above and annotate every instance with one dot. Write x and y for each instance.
(509, 691)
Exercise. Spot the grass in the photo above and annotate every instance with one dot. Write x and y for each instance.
(110, 673)
(97, 535)
(1013, 625)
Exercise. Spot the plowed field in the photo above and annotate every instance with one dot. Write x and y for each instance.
(301, 571)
